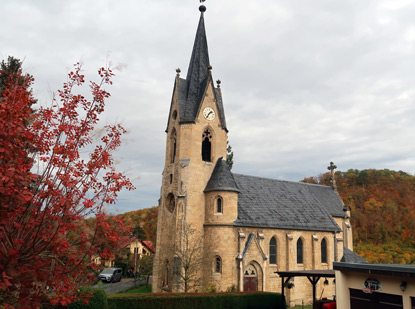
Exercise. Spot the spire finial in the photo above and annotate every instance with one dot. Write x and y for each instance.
(178, 72)
(202, 8)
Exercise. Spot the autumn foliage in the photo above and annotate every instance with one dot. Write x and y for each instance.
(382, 212)
(54, 172)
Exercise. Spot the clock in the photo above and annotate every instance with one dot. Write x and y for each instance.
(209, 113)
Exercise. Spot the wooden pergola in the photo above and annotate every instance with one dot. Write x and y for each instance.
(312, 275)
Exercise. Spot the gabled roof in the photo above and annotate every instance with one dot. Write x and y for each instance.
(149, 245)
(350, 257)
(221, 178)
(190, 91)
(273, 203)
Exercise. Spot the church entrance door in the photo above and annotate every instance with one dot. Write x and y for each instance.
(250, 279)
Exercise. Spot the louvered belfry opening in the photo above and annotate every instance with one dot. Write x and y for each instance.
(207, 146)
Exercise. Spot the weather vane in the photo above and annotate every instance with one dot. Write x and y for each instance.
(202, 1)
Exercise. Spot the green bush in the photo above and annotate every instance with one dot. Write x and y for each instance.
(97, 301)
(200, 301)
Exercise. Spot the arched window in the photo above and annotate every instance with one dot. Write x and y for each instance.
(218, 264)
(207, 146)
(299, 251)
(219, 205)
(323, 251)
(273, 251)
(173, 145)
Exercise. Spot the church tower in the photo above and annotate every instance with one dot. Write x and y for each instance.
(196, 140)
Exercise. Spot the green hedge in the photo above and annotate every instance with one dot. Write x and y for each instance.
(97, 301)
(194, 301)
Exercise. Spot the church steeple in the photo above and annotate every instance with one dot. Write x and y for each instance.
(190, 91)
(198, 71)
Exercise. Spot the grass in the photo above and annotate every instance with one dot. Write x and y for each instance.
(139, 289)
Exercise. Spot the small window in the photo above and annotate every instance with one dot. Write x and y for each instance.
(219, 205)
(323, 251)
(299, 251)
(171, 178)
(174, 115)
(218, 264)
(273, 251)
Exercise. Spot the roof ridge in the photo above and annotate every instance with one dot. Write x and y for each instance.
(283, 180)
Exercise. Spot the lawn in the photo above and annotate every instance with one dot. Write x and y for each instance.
(139, 289)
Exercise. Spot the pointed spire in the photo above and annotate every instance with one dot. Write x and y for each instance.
(198, 71)
(221, 178)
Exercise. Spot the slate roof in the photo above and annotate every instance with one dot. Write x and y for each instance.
(329, 198)
(281, 204)
(350, 257)
(190, 91)
(221, 178)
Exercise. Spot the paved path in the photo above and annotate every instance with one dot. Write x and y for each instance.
(125, 284)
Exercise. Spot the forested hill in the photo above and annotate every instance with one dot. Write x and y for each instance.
(382, 206)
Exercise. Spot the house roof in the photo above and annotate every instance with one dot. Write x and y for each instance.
(149, 245)
(401, 270)
(221, 178)
(272, 203)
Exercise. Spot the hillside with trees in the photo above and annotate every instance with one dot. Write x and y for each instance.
(382, 206)
(144, 222)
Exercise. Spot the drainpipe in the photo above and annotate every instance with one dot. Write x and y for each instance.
(335, 246)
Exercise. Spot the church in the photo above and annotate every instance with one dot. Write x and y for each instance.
(244, 228)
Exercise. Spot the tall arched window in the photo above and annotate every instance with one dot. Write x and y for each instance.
(173, 145)
(299, 251)
(207, 146)
(219, 205)
(273, 251)
(323, 251)
(218, 264)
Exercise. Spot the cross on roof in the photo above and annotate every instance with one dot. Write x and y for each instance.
(331, 168)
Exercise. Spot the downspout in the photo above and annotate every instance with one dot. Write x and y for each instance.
(335, 246)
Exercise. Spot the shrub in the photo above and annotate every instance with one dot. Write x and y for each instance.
(211, 288)
(97, 301)
(259, 300)
(232, 288)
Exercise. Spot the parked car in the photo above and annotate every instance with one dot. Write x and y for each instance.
(110, 275)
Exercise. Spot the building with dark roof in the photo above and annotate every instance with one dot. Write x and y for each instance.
(240, 229)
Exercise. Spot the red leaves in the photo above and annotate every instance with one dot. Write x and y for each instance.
(47, 245)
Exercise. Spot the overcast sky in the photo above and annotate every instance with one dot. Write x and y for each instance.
(303, 82)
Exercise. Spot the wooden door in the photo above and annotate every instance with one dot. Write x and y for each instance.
(250, 284)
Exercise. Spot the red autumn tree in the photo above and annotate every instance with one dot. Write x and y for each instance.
(53, 174)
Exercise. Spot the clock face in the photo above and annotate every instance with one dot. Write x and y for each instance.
(209, 113)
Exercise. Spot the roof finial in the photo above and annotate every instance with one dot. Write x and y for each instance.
(202, 8)
(178, 72)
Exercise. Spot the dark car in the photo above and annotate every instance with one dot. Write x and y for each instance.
(110, 275)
